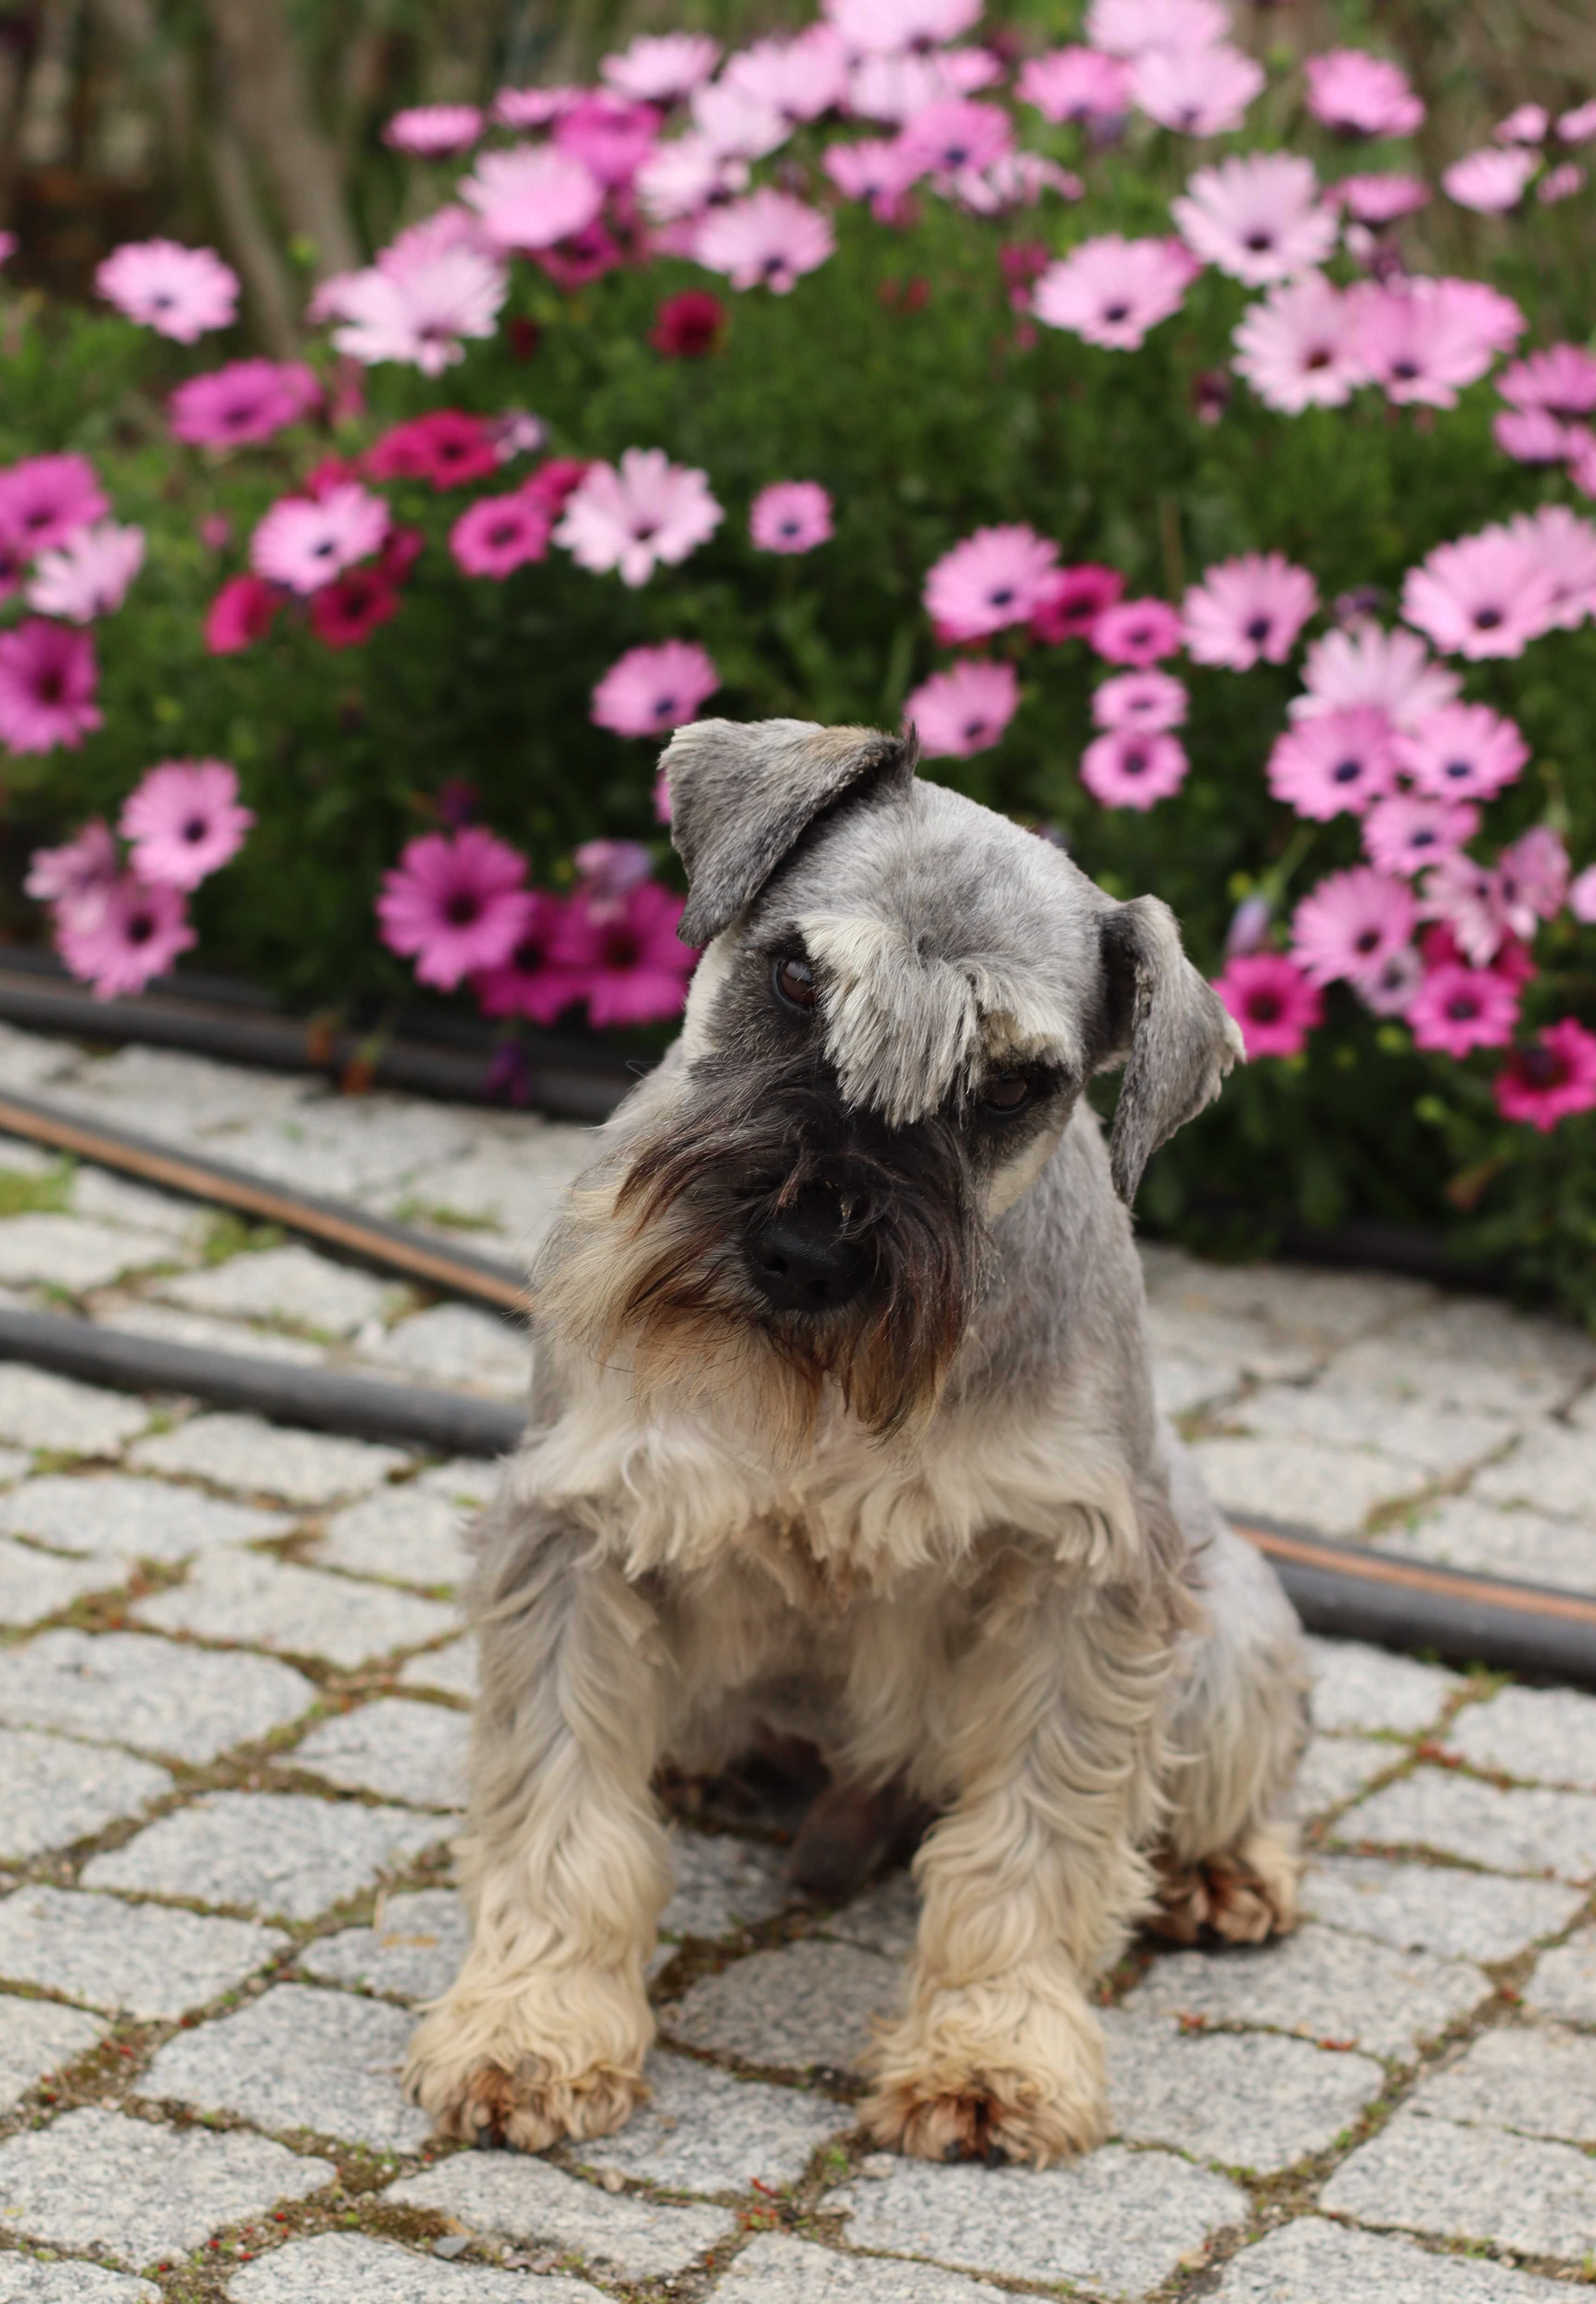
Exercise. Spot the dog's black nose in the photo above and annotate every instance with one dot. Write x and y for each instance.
(803, 1261)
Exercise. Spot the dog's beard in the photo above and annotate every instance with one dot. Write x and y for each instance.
(655, 1267)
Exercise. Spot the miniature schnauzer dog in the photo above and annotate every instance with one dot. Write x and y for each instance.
(841, 1429)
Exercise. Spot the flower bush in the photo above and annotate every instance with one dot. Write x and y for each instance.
(1201, 474)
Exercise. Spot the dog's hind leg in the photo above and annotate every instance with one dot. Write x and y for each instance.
(564, 1861)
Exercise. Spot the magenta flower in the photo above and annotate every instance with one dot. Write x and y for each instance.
(532, 196)
(1136, 632)
(447, 446)
(1071, 601)
(1406, 834)
(1297, 346)
(610, 137)
(1379, 199)
(247, 401)
(178, 292)
(790, 516)
(1127, 767)
(631, 519)
(1485, 595)
(1146, 701)
(432, 131)
(767, 240)
(1111, 290)
(1359, 95)
(995, 578)
(184, 821)
(1560, 381)
(1196, 92)
(964, 709)
(954, 135)
(1563, 548)
(499, 534)
(649, 690)
(1352, 923)
(48, 680)
(1463, 752)
(531, 982)
(633, 965)
(1334, 762)
(418, 313)
(1491, 181)
(304, 542)
(46, 499)
(1272, 1001)
(1391, 671)
(455, 903)
(76, 876)
(133, 933)
(1256, 217)
(1554, 1076)
(241, 614)
(1424, 340)
(1248, 611)
(87, 576)
(1127, 28)
(1079, 84)
(661, 67)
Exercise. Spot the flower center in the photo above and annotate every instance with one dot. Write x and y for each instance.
(1461, 1007)
(463, 909)
(1542, 1068)
(503, 531)
(1458, 768)
(1259, 240)
(1264, 1008)
(1404, 370)
(1367, 941)
(1117, 311)
(49, 688)
(1258, 629)
(1347, 772)
(195, 829)
(1002, 597)
(139, 927)
(1486, 620)
(1135, 763)
(620, 949)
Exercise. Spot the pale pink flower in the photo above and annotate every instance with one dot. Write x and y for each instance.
(178, 292)
(1554, 1077)
(1578, 126)
(610, 138)
(1127, 28)
(649, 690)
(634, 966)
(1582, 458)
(631, 519)
(532, 982)
(1111, 290)
(1297, 346)
(496, 534)
(47, 681)
(1351, 923)
(893, 88)
(1359, 95)
(1563, 548)
(532, 196)
(1379, 199)
(46, 499)
(1333, 763)
(798, 79)
(885, 27)
(247, 401)
(767, 240)
(1406, 834)
(1148, 701)
(133, 933)
(1457, 1009)
(1127, 767)
(1272, 1001)
(87, 576)
(995, 578)
(533, 107)
(733, 126)
(9, 245)
(1424, 340)
(1526, 123)
(1532, 880)
(1364, 665)
(680, 179)
(77, 874)
(184, 821)
(960, 133)
(419, 314)
(661, 67)
(964, 709)
(304, 543)
(1256, 217)
(1463, 752)
(1248, 611)
(1582, 895)
(430, 131)
(1390, 990)
(790, 516)
(1467, 896)
(455, 903)
(872, 169)
(1196, 92)
(1530, 436)
(1560, 183)
(1489, 180)
(1012, 180)
(1136, 631)
(1485, 595)
(1079, 84)
(611, 868)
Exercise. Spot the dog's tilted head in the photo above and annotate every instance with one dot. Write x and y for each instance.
(902, 998)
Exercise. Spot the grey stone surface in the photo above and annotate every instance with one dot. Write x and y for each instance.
(131, 1687)
(1118, 2221)
(1249, 2099)
(27, 1059)
(884, 1919)
(256, 1458)
(454, 1344)
(33, 2280)
(37, 2037)
(1436, 1441)
(140, 1959)
(96, 1193)
(280, 1854)
(412, 1950)
(1489, 1540)
(721, 1882)
(527, 2201)
(349, 1145)
(35, 1584)
(1181, 1384)
(1437, 2176)
(300, 2057)
(1471, 1353)
(143, 1317)
(174, 1095)
(409, 1535)
(350, 2268)
(776, 2269)
(41, 1410)
(1335, 1767)
(404, 1751)
(1525, 1830)
(53, 1793)
(1547, 1735)
(1431, 1908)
(808, 2003)
(113, 1514)
(1319, 1984)
(1368, 1690)
(251, 1598)
(703, 2131)
(467, 1482)
(70, 1252)
(1563, 1982)
(1313, 2261)
(1334, 1489)
(453, 1670)
(293, 1284)
(97, 2178)
(1551, 1470)
(515, 1191)
(1541, 2082)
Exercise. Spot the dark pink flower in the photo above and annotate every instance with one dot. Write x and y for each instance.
(1485, 595)
(1196, 92)
(48, 680)
(649, 690)
(995, 578)
(964, 709)
(1463, 752)
(1258, 216)
(1298, 346)
(304, 542)
(688, 326)
(46, 499)
(790, 516)
(634, 966)
(1071, 601)
(1129, 768)
(134, 932)
(431, 131)
(1136, 632)
(499, 534)
(178, 292)
(1379, 200)
(1334, 762)
(634, 516)
(184, 821)
(1248, 611)
(345, 613)
(1359, 95)
(457, 904)
(1551, 1078)
(1272, 1001)
(1110, 289)
(554, 482)
(1151, 701)
(1351, 923)
(77, 874)
(767, 240)
(241, 614)
(661, 67)
(1489, 180)
(247, 401)
(532, 982)
(1078, 84)
(1404, 833)
(611, 137)
(447, 447)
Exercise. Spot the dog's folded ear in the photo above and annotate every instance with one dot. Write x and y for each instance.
(744, 793)
(1177, 1037)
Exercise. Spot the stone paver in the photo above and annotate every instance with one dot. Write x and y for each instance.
(1428, 2175)
(405, 1751)
(1361, 1688)
(1540, 2083)
(293, 1284)
(142, 1960)
(70, 1252)
(349, 2268)
(1564, 1981)
(1546, 1735)
(1333, 1768)
(53, 1791)
(131, 1687)
(1431, 1908)
(775, 2269)
(1437, 1441)
(1493, 1540)
(884, 1919)
(256, 1458)
(410, 1952)
(1525, 1830)
(808, 2003)
(35, 1584)
(37, 2037)
(409, 1535)
(278, 1854)
(721, 1884)
(34, 2280)
(454, 1344)
(1332, 1489)
(1469, 1352)
(453, 1670)
(1249, 2099)
(142, 1316)
(98, 2179)
(531, 2203)
(1316, 2262)
(1550, 1470)
(111, 1513)
(251, 1598)
(703, 2131)
(38, 1409)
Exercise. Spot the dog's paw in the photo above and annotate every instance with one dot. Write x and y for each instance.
(1243, 1895)
(490, 2105)
(992, 2117)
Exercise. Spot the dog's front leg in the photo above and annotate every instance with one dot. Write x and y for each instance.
(1030, 1883)
(564, 1861)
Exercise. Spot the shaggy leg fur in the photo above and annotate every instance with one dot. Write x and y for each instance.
(563, 1862)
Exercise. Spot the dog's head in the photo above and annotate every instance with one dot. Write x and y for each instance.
(902, 997)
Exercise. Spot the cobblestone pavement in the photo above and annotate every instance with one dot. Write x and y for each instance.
(232, 1714)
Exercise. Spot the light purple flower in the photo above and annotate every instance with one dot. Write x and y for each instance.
(1526, 123)
(649, 690)
(661, 67)
(993, 578)
(631, 518)
(680, 179)
(1491, 181)
(886, 28)
(1578, 126)
(790, 516)
(1533, 880)
(734, 125)
(1196, 92)
(1359, 95)
(184, 821)
(1256, 217)
(304, 542)
(1136, 631)
(798, 79)
(1485, 595)
(1132, 768)
(1248, 611)
(1530, 436)
(1297, 346)
(1379, 199)
(88, 575)
(1350, 924)
(1111, 291)
(964, 709)
(1560, 183)
(767, 240)
(178, 292)
(1466, 897)
(1582, 895)
(432, 130)
(47, 681)
(958, 134)
(532, 196)
(893, 88)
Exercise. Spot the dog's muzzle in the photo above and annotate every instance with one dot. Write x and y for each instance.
(804, 1260)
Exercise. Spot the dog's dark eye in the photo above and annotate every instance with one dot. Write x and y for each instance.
(1007, 1093)
(794, 982)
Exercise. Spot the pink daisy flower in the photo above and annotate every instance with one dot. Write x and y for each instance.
(1111, 290)
(532, 196)
(345, 613)
(1127, 28)
(733, 126)
(88, 575)
(1359, 95)
(430, 131)
(1333, 763)
(1578, 126)
(1078, 84)
(958, 134)
(1491, 181)
(631, 519)
(892, 27)
(1147, 701)
(1530, 436)
(1560, 183)
(1560, 381)
(184, 821)
(447, 447)
(790, 516)
(1127, 767)
(1582, 895)
(661, 67)
(1485, 595)
(1406, 834)
(893, 88)
(134, 933)
(1463, 752)
(1379, 199)
(767, 240)
(993, 578)
(1391, 671)
(531, 982)
(610, 138)
(1016, 180)
(1256, 217)
(180, 292)
(241, 614)
(1351, 923)
(798, 79)
(1551, 1078)
(870, 170)
(1196, 92)
(1526, 123)
(634, 966)
(1532, 880)
(455, 903)
(46, 499)
(1563, 548)
(499, 534)
(419, 314)
(1424, 340)
(247, 401)
(304, 544)
(1248, 611)
(964, 709)
(1297, 347)
(534, 107)
(1390, 989)
(1272, 1001)
(48, 680)
(1465, 897)
(649, 690)
(1071, 601)
(1136, 632)
(77, 874)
